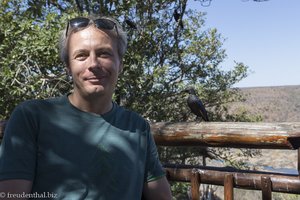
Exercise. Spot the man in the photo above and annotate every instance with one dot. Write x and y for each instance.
(82, 145)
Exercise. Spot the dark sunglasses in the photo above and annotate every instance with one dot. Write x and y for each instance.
(82, 22)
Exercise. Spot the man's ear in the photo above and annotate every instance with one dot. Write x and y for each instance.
(121, 67)
(68, 70)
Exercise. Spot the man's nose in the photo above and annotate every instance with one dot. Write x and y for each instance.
(94, 62)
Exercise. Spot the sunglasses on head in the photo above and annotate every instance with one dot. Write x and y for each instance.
(100, 23)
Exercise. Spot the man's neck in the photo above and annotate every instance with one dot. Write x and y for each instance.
(92, 104)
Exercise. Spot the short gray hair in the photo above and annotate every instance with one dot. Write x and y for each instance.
(120, 35)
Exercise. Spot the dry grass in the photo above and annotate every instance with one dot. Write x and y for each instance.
(274, 104)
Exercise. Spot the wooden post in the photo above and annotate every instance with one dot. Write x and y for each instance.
(195, 185)
(266, 188)
(242, 179)
(299, 161)
(228, 187)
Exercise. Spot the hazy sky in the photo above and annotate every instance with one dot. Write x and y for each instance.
(263, 35)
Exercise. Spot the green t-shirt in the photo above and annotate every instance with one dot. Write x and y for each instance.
(71, 154)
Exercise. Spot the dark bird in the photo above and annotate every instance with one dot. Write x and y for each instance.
(196, 104)
(130, 23)
(177, 17)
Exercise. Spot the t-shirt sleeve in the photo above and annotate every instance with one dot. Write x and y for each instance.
(18, 147)
(154, 168)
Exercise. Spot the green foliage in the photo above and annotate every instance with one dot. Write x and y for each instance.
(29, 62)
(282, 196)
(242, 115)
(180, 190)
(162, 59)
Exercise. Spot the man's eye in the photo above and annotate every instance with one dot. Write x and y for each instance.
(104, 54)
(81, 56)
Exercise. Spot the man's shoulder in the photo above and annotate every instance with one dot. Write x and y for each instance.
(128, 113)
(46, 101)
(130, 119)
(34, 105)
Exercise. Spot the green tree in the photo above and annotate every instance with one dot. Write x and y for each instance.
(164, 56)
(29, 61)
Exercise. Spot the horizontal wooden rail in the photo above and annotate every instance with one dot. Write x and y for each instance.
(224, 134)
(241, 179)
(228, 134)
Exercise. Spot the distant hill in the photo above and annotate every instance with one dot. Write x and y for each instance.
(274, 104)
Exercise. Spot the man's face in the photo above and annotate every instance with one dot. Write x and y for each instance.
(94, 62)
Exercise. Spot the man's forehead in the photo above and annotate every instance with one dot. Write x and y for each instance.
(92, 36)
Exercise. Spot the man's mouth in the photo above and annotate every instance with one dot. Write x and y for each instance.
(94, 78)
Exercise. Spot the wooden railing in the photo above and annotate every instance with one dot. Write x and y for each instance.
(235, 135)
